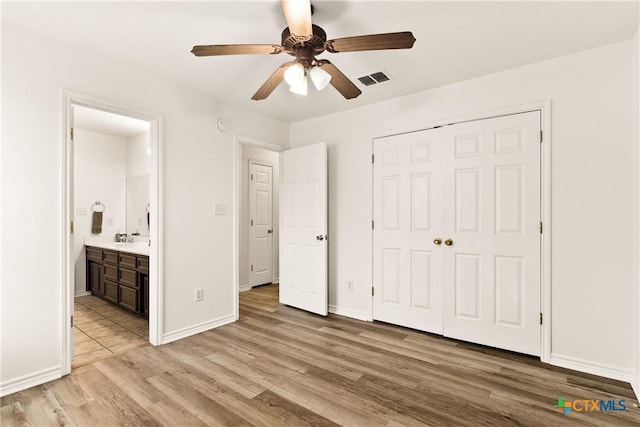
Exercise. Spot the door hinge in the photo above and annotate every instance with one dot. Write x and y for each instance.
(373, 158)
(71, 132)
(541, 318)
(540, 227)
(373, 226)
(540, 137)
(252, 268)
(251, 177)
(72, 321)
(373, 291)
(71, 227)
(251, 222)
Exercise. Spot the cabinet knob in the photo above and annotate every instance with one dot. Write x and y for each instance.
(270, 231)
(437, 241)
(448, 242)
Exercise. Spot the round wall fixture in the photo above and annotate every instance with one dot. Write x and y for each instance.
(222, 126)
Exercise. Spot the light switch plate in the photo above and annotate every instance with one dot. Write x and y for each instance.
(219, 209)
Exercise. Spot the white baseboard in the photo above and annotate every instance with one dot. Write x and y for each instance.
(244, 288)
(348, 313)
(81, 293)
(590, 367)
(196, 329)
(30, 380)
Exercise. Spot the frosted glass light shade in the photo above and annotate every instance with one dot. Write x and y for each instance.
(294, 74)
(301, 87)
(319, 77)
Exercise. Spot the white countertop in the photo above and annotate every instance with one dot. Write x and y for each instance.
(138, 248)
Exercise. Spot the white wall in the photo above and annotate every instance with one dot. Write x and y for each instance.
(99, 175)
(138, 159)
(636, 200)
(254, 153)
(592, 168)
(198, 162)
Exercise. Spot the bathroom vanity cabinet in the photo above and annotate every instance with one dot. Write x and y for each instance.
(119, 277)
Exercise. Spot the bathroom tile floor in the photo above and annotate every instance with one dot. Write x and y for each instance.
(102, 330)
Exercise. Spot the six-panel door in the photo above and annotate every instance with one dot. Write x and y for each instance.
(456, 239)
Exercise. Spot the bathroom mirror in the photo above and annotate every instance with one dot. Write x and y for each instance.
(138, 205)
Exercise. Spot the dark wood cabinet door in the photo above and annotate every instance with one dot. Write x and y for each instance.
(144, 280)
(96, 279)
(128, 298)
(111, 291)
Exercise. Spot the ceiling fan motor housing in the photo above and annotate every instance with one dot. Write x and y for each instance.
(292, 42)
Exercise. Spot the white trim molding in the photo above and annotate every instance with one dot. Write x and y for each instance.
(30, 380)
(196, 329)
(245, 287)
(590, 367)
(358, 315)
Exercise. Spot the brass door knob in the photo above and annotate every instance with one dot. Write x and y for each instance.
(437, 241)
(448, 242)
(269, 231)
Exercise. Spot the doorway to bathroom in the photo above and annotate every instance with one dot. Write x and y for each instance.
(112, 251)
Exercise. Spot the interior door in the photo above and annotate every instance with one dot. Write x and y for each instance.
(303, 235)
(261, 223)
(407, 219)
(456, 231)
(492, 222)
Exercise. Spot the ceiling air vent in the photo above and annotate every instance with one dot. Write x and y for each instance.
(373, 78)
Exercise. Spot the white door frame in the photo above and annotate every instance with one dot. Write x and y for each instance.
(545, 199)
(238, 142)
(69, 99)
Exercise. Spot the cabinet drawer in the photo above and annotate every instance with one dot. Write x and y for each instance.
(110, 257)
(128, 277)
(111, 272)
(94, 254)
(127, 260)
(128, 298)
(143, 264)
(111, 291)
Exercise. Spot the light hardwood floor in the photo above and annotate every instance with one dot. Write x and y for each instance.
(281, 366)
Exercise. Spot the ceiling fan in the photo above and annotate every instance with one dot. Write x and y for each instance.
(305, 40)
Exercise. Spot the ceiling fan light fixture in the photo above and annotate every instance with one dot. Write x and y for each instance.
(319, 77)
(301, 87)
(294, 75)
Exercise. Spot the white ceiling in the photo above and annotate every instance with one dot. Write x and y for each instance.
(455, 41)
(107, 123)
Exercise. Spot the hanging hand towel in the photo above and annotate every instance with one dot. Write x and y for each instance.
(96, 224)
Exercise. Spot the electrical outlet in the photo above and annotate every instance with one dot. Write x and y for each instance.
(350, 285)
(199, 295)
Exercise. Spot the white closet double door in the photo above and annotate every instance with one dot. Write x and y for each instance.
(457, 231)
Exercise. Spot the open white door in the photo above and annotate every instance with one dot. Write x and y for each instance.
(303, 238)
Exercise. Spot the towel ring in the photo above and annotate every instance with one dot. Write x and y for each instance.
(99, 205)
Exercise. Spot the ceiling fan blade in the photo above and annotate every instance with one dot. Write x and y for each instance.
(272, 82)
(236, 49)
(298, 16)
(339, 80)
(402, 40)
